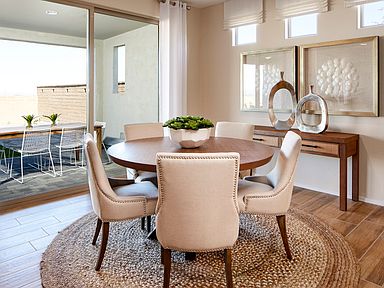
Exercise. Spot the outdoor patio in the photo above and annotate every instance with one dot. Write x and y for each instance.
(35, 182)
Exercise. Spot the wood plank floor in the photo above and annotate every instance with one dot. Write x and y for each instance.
(25, 233)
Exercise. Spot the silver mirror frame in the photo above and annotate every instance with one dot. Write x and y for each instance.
(279, 124)
(323, 125)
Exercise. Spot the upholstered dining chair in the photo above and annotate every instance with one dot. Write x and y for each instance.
(271, 194)
(197, 216)
(114, 199)
(143, 131)
(234, 130)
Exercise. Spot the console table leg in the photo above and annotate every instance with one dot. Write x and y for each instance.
(355, 175)
(343, 185)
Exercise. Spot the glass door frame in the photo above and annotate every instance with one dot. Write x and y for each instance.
(92, 9)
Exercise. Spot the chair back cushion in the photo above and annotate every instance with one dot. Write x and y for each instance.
(234, 130)
(283, 172)
(143, 130)
(197, 208)
(99, 186)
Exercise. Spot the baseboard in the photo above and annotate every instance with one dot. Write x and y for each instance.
(371, 201)
(349, 195)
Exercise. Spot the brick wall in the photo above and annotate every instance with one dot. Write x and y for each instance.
(70, 101)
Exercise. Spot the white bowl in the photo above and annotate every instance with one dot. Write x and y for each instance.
(190, 138)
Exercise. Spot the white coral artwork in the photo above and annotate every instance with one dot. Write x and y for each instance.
(338, 79)
(271, 77)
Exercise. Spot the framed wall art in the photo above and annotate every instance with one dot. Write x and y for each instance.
(345, 73)
(260, 71)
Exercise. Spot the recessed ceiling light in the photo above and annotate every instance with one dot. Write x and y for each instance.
(363, 44)
(268, 57)
(51, 12)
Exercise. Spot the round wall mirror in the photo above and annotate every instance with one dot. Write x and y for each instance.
(282, 89)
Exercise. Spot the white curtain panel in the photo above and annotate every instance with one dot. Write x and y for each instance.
(173, 59)
(351, 3)
(291, 8)
(242, 12)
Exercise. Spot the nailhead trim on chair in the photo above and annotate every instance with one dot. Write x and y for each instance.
(260, 197)
(160, 176)
(144, 201)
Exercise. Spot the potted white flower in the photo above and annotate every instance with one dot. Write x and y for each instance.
(189, 131)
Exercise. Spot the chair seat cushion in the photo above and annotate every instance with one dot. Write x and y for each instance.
(246, 188)
(146, 176)
(146, 189)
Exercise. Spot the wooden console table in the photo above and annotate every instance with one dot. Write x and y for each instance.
(331, 144)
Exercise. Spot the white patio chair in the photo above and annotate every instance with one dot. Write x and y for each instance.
(3, 159)
(72, 141)
(36, 142)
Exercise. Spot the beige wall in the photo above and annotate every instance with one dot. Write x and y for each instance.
(139, 102)
(216, 89)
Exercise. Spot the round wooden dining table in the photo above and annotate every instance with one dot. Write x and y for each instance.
(141, 154)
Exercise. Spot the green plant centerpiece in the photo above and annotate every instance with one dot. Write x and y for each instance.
(189, 131)
(29, 118)
(188, 122)
(53, 117)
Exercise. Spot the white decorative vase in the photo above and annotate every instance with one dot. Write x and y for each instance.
(190, 138)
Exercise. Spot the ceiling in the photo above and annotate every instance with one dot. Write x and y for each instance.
(203, 3)
(31, 15)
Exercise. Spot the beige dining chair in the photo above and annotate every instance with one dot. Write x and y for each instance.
(143, 131)
(235, 130)
(271, 194)
(114, 199)
(197, 216)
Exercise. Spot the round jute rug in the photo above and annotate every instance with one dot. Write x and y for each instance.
(321, 257)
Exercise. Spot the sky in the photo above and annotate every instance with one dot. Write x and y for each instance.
(25, 65)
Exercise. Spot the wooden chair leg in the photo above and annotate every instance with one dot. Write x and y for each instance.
(142, 223)
(103, 246)
(190, 256)
(149, 218)
(162, 255)
(228, 267)
(97, 231)
(167, 267)
(283, 231)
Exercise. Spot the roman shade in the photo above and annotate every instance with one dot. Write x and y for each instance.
(242, 12)
(291, 8)
(352, 3)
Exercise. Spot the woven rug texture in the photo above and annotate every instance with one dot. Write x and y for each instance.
(321, 257)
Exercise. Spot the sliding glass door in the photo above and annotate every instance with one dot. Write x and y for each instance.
(126, 72)
(82, 65)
